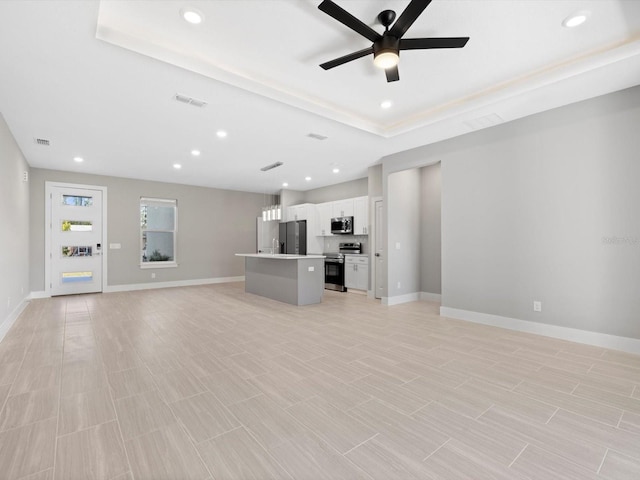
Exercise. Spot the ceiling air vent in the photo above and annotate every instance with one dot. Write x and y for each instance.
(42, 141)
(317, 136)
(272, 166)
(190, 100)
(484, 122)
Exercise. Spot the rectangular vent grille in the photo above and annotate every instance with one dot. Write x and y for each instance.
(317, 136)
(42, 141)
(190, 100)
(484, 122)
(272, 166)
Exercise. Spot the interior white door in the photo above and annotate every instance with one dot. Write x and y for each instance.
(379, 266)
(76, 240)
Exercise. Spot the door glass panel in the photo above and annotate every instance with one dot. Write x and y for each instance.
(157, 246)
(76, 226)
(77, 277)
(77, 201)
(69, 251)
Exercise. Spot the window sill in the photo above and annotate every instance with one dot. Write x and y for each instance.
(158, 265)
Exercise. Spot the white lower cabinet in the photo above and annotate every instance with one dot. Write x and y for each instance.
(356, 272)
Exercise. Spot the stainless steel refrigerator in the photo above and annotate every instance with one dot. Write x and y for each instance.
(293, 237)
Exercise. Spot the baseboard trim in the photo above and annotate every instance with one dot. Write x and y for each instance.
(8, 322)
(178, 283)
(430, 297)
(626, 344)
(39, 294)
(398, 299)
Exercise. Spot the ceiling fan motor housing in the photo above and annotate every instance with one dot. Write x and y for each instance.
(387, 44)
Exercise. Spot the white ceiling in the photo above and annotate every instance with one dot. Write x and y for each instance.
(98, 79)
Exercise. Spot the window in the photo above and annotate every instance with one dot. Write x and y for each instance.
(158, 226)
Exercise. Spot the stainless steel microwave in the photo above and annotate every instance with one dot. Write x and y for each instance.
(342, 225)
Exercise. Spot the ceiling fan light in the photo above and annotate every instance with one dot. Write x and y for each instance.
(386, 59)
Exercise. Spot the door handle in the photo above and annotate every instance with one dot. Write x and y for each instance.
(377, 254)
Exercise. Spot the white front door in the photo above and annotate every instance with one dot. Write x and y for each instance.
(75, 255)
(379, 265)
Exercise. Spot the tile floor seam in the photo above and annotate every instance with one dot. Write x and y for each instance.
(257, 440)
(115, 410)
(361, 443)
(604, 457)
(55, 445)
(490, 407)
(552, 415)
(434, 452)
(518, 456)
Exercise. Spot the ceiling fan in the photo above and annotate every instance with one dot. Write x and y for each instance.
(386, 47)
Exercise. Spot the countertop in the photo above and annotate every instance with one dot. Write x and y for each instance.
(356, 254)
(278, 256)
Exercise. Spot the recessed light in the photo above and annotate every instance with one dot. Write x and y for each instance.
(192, 16)
(576, 19)
(195, 153)
(386, 104)
(78, 159)
(285, 184)
(221, 134)
(177, 166)
(308, 179)
(336, 170)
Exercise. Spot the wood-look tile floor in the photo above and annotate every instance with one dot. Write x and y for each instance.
(211, 383)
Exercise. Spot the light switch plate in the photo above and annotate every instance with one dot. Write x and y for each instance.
(115, 246)
(312, 269)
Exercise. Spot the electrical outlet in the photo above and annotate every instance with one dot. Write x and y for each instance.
(8, 302)
(537, 306)
(398, 284)
(153, 275)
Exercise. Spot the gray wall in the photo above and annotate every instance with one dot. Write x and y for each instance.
(375, 180)
(291, 197)
(213, 225)
(339, 191)
(544, 208)
(430, 231)
(14, 221)
(403, 227)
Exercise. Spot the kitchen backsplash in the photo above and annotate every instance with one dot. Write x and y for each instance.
(331, 244)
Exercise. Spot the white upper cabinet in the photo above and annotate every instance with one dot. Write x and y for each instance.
(319, 216)
(343, 208)
(361, 216)
(325, 213)
(299, 212)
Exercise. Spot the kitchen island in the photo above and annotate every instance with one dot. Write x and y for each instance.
(293, 279)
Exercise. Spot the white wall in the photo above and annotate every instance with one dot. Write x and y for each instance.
(529, 211)
(403, 233)
(430, 229)
(213, 225)
(14, 229)
(339, 191)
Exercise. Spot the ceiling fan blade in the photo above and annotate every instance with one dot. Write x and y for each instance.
(344, 17)
(424, 43)
(347, 58)
(410, 14)
(392, 74)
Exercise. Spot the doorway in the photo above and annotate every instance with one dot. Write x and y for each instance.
(74, 239)
(378, 249)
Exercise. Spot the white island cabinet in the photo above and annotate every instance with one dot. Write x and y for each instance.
(294, 279)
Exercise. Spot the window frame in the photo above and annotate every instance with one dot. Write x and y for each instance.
(163, 202)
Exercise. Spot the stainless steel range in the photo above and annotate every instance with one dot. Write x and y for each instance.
(334, 266)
